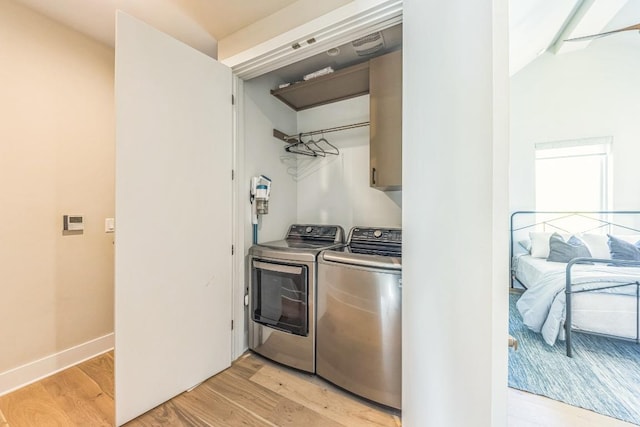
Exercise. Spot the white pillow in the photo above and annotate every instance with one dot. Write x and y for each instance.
(598, 245)
(540, 243)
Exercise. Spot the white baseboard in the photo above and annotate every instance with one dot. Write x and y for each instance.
(21, 376)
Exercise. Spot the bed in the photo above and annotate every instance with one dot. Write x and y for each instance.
(580, 269)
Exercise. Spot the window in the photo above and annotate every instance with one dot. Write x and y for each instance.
(573, 175)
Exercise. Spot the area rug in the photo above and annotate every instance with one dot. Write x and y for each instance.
(603, 375)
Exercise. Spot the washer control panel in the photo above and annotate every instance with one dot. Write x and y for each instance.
(376, 235)
(333, 233)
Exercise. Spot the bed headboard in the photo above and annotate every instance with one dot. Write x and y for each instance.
(597, 222)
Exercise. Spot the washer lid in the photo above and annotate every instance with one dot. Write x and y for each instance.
(293, 244)
(345, 256)
(291, 250)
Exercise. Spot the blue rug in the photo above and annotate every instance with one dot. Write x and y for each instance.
(603, 375)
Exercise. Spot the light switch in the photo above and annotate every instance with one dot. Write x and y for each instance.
(109, 225)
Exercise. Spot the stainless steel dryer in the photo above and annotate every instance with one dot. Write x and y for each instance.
(282, 294)
(359, 326)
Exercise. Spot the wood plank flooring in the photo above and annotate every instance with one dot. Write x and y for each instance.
(256, 392)
(3, 420)
(79, 396)
(253, 392)
(530, 410)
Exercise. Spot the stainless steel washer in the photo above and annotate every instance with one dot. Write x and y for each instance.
(282, 294)
(359, 326)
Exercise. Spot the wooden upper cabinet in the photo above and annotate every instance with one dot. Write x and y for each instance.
(385, 91)
(342, 84)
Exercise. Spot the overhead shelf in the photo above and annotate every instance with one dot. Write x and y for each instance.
(342, 84)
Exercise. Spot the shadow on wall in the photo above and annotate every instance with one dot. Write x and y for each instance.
(395, 197)
(300, 167)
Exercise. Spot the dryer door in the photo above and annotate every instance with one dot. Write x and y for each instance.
(280, 295)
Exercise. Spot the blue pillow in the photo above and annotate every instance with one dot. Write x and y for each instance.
(621, 249)
(561, 251)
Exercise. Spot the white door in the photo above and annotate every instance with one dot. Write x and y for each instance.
(173, 218)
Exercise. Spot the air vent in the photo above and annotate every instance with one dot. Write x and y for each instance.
(368, 45)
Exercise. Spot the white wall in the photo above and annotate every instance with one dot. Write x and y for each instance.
(262, 154)
(591, 92)
(455, 213)
(335, 189)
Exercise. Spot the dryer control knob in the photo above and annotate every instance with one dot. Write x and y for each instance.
(309, 229)
(377, 234)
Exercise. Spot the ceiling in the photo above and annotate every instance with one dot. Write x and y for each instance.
(535, 26)
(199, 23)
(539, 26)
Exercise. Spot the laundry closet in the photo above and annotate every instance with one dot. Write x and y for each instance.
(335, 147)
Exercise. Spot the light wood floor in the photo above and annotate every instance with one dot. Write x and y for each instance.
(253, 392)
(78, 396)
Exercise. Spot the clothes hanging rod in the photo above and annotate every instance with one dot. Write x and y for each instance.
(295, 138)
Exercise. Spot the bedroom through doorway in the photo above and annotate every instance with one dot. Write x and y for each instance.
(573, 138)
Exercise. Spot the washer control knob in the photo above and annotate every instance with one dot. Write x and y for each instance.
(309, 229)
(377, 234)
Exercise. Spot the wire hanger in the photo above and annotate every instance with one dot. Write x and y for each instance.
(334, 149)
(311, 143)
(300, 147)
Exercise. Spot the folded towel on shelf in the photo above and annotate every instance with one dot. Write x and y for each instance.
(321, 72)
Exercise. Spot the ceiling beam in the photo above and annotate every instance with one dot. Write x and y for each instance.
(589, 17)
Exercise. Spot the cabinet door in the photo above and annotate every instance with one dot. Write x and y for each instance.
(173, 213)
(385, 90)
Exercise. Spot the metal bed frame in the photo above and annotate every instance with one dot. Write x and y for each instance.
(569, 291)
